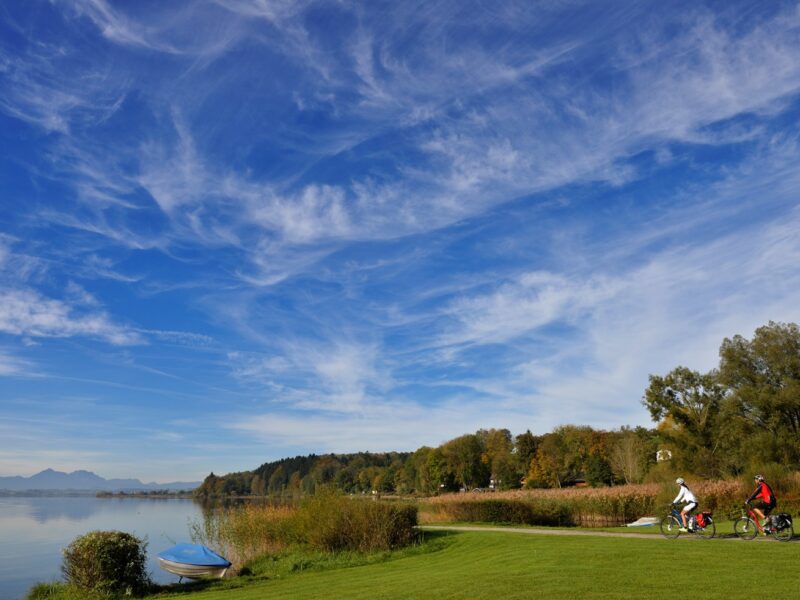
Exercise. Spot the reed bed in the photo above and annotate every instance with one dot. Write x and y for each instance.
(331, 523)
(326, 522)
(242, 533)
(593, 507)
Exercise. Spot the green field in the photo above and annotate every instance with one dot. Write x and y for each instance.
(508, 565)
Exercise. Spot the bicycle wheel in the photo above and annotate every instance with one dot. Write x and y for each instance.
(783, 535)
(670, 527)
(707, 532)
(745, 528)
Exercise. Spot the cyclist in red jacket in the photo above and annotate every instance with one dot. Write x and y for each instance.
(768, 501)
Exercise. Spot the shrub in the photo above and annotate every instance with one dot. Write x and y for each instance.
(106, 562)
(533, 512)
(569, 506)
(331, 522)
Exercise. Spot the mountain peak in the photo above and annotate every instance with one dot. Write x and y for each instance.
(81, 479)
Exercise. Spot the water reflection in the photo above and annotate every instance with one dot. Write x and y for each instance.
(33, 532)
(43, 510)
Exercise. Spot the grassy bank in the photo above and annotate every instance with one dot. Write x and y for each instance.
(491, 565)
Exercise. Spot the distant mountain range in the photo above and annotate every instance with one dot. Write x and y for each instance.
(85, 481)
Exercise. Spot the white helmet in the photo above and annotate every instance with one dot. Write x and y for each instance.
(680, 481)
(759, 478)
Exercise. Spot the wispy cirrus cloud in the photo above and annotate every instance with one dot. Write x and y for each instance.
(114, 25)
(27, 313)
(326, 217)
(674, 309)
(480, 149)
(400, 426)
(332, 376)
(12, 365)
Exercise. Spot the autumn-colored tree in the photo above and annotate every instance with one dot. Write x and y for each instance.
(257, 486)
(628, 456)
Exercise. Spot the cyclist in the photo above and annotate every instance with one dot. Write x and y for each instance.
(685, 495)
(768, 501)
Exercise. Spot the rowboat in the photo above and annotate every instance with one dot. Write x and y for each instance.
(193, 561)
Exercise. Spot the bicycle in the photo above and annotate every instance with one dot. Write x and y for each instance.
(672, 523)
(747, 526)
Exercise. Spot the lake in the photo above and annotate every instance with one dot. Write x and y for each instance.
(34, 530)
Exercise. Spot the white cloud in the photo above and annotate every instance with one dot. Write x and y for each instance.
(116, 27)
(534, 299)
(380, 427)
(673, 310)
(27, 313)
(338, 376)
(421, 129)
(514, 131)
(11, 365)
(184, 338)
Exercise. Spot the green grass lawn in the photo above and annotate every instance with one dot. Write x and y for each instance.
(495, 565)
(508, 565)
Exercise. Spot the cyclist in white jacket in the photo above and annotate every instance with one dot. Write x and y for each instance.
(685, 495)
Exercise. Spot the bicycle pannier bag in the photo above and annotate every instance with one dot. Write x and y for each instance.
(782, 520)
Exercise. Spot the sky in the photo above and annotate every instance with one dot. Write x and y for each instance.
(233, 231)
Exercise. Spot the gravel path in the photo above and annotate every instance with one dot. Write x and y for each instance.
(579, 532)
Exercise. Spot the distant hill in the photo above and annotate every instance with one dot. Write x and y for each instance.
(357, 472)
(85, 480)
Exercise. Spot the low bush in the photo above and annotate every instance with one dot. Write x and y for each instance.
(106, 562)
(535, 512)
(329, 521)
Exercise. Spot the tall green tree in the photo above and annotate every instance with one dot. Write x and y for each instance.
(498, 456)
(525, 445)
(687, 406)
(440, 474)
(463, 457)
(763, 377)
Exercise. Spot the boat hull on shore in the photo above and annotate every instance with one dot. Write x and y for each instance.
(193, 561)
(191, 571)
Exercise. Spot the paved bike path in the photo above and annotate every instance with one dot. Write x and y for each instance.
(583, 532)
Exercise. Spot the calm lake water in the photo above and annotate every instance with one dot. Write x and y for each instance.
(34, 530)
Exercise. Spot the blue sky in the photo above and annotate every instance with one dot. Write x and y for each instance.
(232, 231)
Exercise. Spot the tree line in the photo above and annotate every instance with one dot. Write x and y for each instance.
(487, 458)
(740, 415)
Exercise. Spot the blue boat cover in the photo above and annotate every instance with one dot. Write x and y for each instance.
(194, 554)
